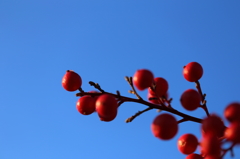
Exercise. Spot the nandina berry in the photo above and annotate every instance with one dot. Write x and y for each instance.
(164, 126)
(213, 124)
(86, 105)
(192, 72)
(190, 99)
(212, 157)
(161, 87)
(232, 112)
(108, 118)
(194, 156)
(143, 79)
(106, 107)
(210, 145)
(232, 133)
(187, 143)
(71, 81)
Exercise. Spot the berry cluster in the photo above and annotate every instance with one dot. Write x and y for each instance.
(165, 126)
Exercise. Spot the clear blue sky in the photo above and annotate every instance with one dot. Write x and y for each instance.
(104, 41)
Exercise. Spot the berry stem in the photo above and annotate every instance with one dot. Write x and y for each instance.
(204, 106)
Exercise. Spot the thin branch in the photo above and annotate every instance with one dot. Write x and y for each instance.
(97, 86)
(228, 149)
(204, 106)
(119, 103)
(133, 91)
(182, 120)
(150, 105)
(137, 114)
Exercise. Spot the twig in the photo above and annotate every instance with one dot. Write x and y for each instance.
(133, 91)
(150, 105)
(229, 149)
(81, 90)
(182, 120)
(121, 102)
(204, 106)
(140, 101)
(137, 114)
(97, 86)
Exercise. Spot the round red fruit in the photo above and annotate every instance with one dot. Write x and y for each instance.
(86, 105)
(232, 112)
(190, 99)
(232, 133)
(71, 81)
(161, 87)
(143, 79)
(213, 124)
(108, 118)
(187, 143)
(212, 157)
(194, 156)
(192, 72)
(164, 126)
(210, 145)
(106, 107)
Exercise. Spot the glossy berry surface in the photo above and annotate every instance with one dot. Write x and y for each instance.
(86, 105)
(161, 87)
(194, 156)
(71, 81)
(232, 112)
(192, 72)
(143, 79)
(108, 118)
(106, 107)
(213, 124)
(232, 133)
(210, 145)
(187, 143)
(164, 126)
(190, 99)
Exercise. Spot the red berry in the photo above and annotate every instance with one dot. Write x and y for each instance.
(71, 81)
(232, 133)
(86, 105)
(187, 143)
(143, 79)
(232, 112)
(108, 118)
(161, 87)
(190, 99)
(213, 124)
(212, 157)
(192, 72)
(164, 126)
(194, 156)
(210, 145)
(106, 107)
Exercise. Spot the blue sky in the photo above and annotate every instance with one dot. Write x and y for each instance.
(104, 41)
